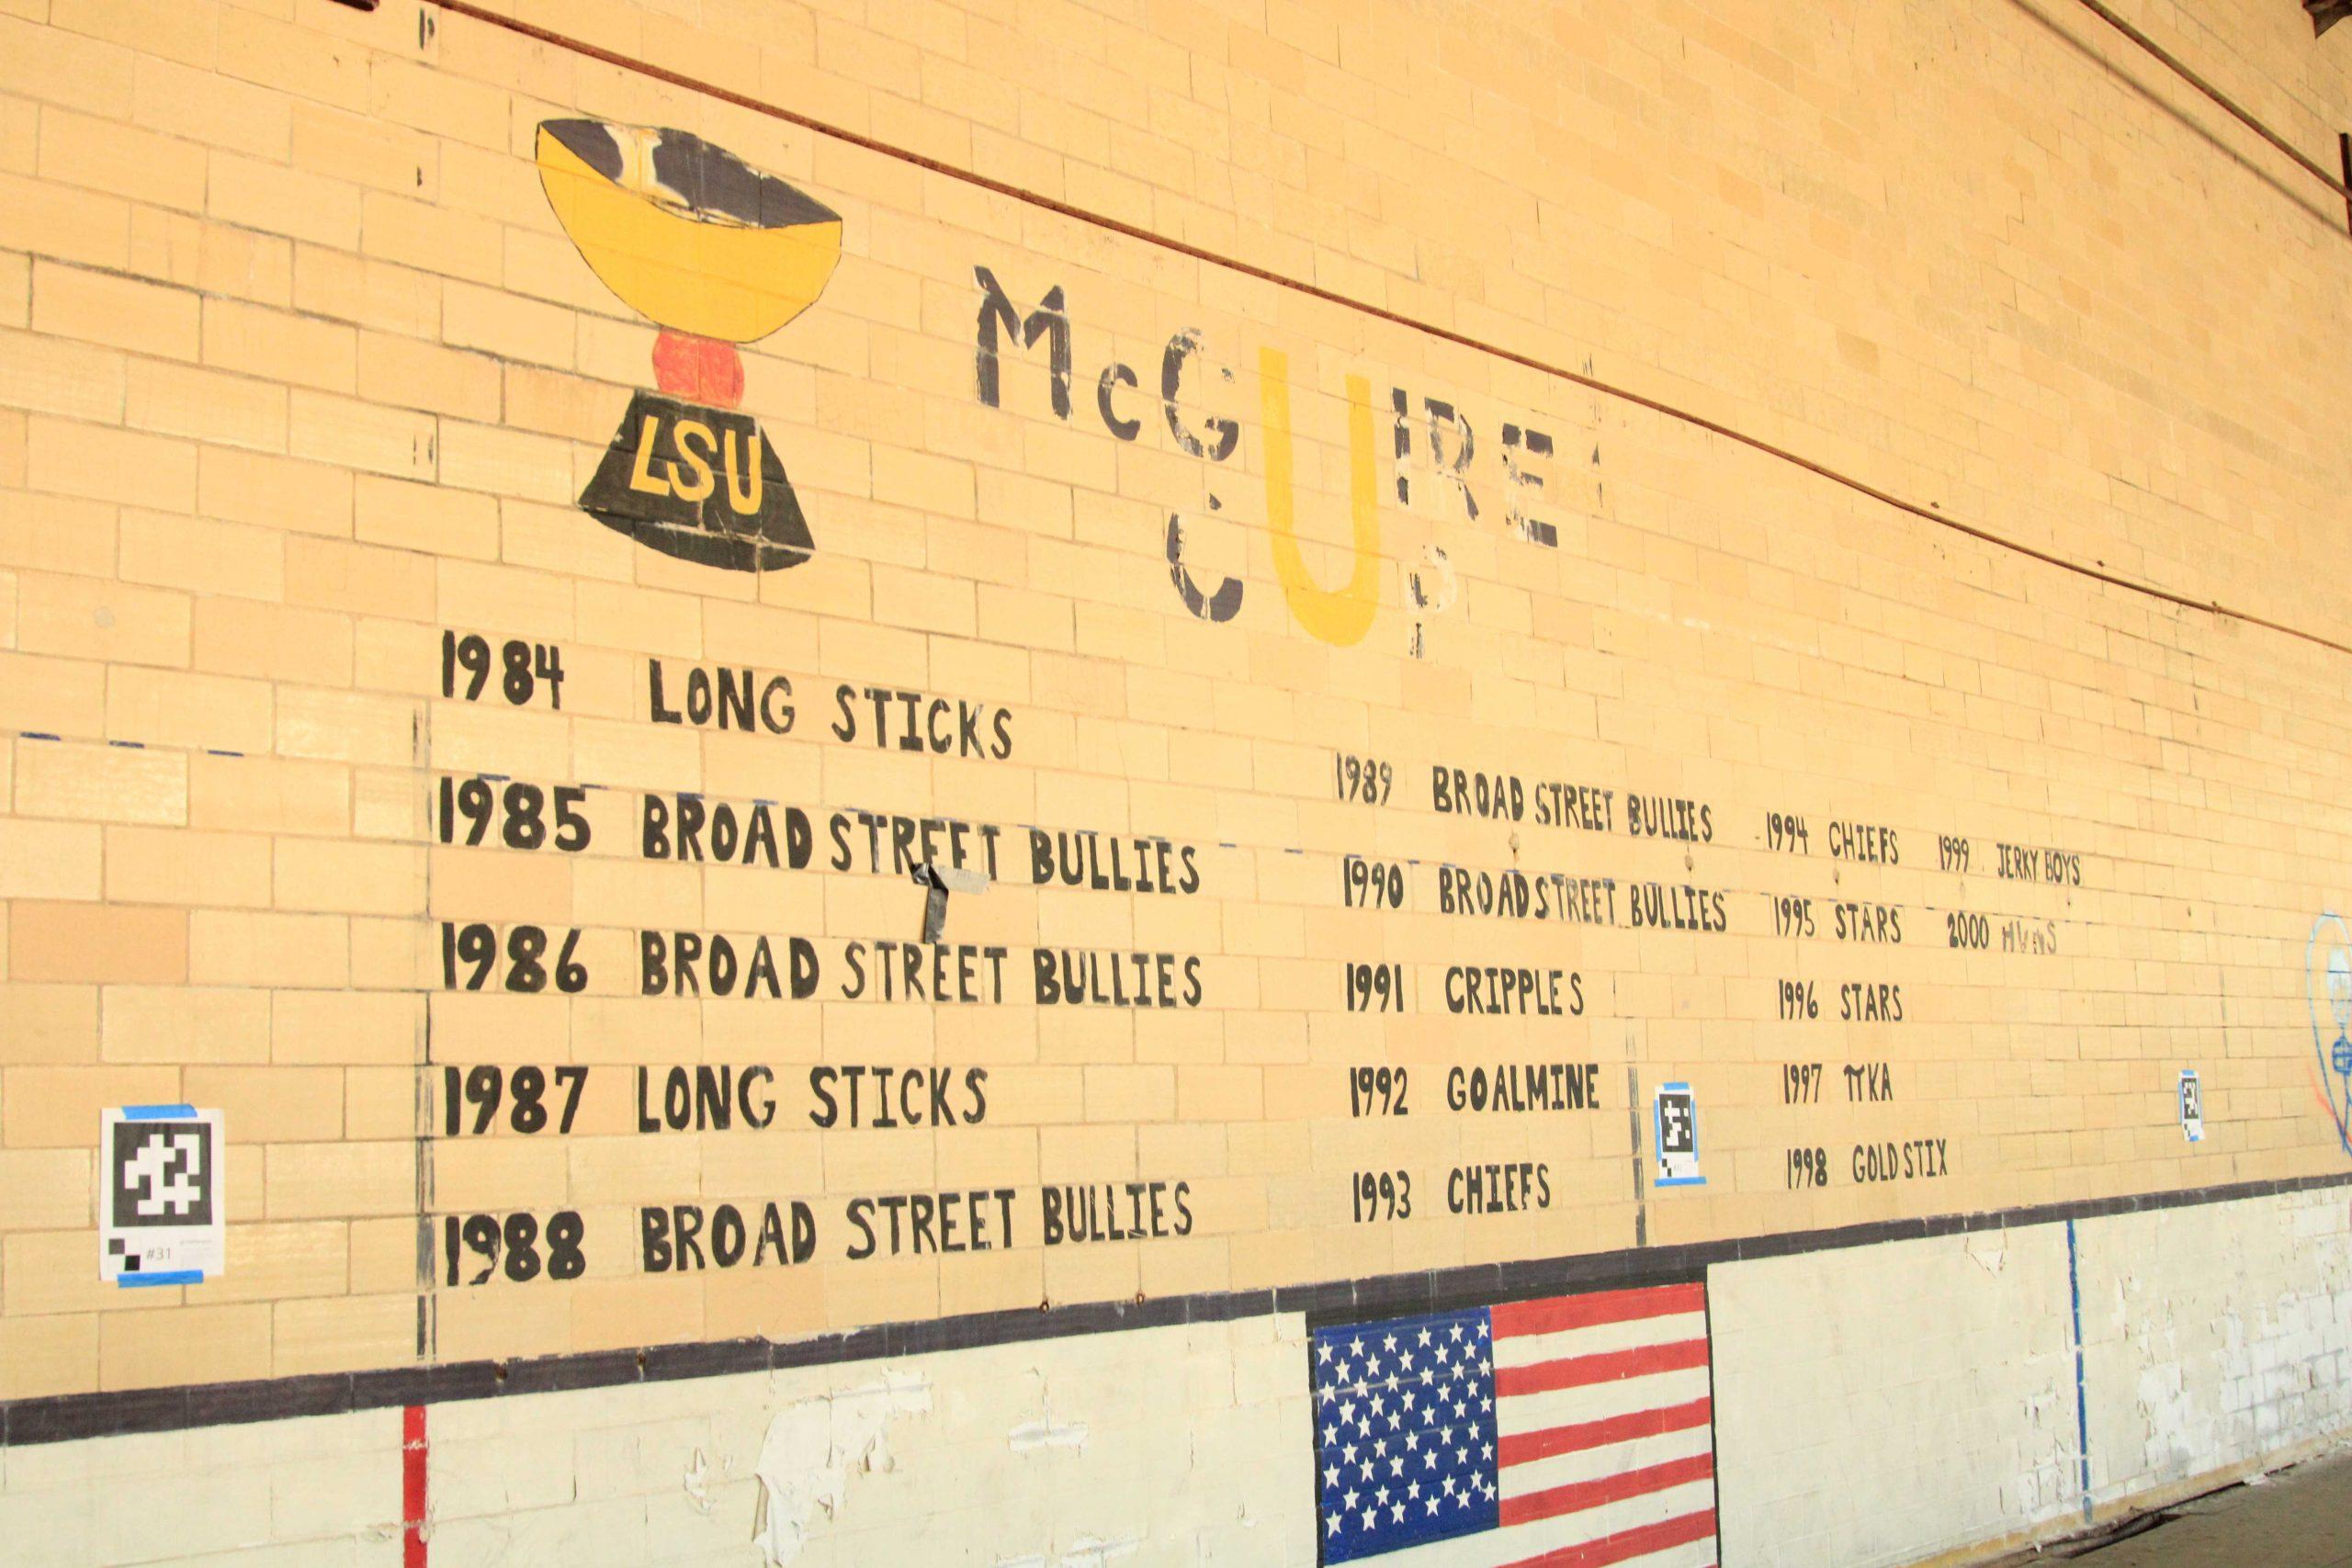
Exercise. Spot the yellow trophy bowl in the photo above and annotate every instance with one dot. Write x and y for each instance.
(684, 232)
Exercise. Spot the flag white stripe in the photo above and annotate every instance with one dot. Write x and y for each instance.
(1612, 1458)
(1530, 1349)
(1501, 1548)
(1597, 1402)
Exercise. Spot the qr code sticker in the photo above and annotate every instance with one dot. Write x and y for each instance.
(161, 1212)
(163, 1174)
(1675, 1125)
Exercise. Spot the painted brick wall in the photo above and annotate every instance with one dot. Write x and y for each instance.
(1928, 860)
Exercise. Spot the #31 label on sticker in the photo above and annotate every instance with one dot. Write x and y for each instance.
(160, 1219)
(1674, 1124)
(2192, 1106)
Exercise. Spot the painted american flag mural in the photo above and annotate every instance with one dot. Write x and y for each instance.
(1571, 1432)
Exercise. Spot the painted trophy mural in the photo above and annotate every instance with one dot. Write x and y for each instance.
(715, 254)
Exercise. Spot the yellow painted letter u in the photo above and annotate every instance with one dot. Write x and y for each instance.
(1342, 616)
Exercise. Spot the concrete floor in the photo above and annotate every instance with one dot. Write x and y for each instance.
(2296, 1519)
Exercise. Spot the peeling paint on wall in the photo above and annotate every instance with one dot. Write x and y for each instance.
(1048, 1434)
(1087, 1552)
(811, 1450)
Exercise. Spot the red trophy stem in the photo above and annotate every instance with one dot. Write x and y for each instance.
(699, 369)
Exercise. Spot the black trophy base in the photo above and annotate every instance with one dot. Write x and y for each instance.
(701, 484)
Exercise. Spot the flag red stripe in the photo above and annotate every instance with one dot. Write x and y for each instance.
(1606, 1306)
(1521, 1446)
(1626, 1543)
(1576, 1371)
(1577, 1496)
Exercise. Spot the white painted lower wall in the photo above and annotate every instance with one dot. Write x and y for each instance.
(1873, 1405)
(1892, 1403)
(2215, 1337)
(1878, 1405)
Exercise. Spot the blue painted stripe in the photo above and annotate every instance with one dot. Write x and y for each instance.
(157, 1112)
(164, 1276)
(2082, 1405)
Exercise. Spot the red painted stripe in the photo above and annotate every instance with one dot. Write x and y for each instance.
(1576, 1371)
(412, 1457)
(1579, 1495)
(1603, 1306)
(1521, 1446)
(1627, 1543)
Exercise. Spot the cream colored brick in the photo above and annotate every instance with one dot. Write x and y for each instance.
(508, 462)
(111, 465)
(91, 942)
(215, 259)
(82, 619)
(49, 860)
(331, 282)
(350, 878)
(107, 155)
(230, 411)
(124, 312)
(205, 107)
(16, 290)
(48, 1189)
(58, 376)
(303, 62)
(280, 200)
(268, 1263)
(272, 1105)
(342, 1335)
(59, 1107)
(166, 28)
(499, 324)
(51, 696)
(279, 346)
(203, 557)
(362, 435)
(347, 727)
(169, 1023)
(226, 948)
(321, 1026)
(191, 1344)
(101, 783)
(359, 579)
(72, 225)
(268, 794)
(61, 67)
(357, 147)
(276, 492)
(412, 373)
(340, 1180)
(417, 234)
(188, 867)
(47, 1023)
(40, 1356)
(425, 518)
(241, 636)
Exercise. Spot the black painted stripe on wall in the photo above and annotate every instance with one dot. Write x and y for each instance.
(66, 1416)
